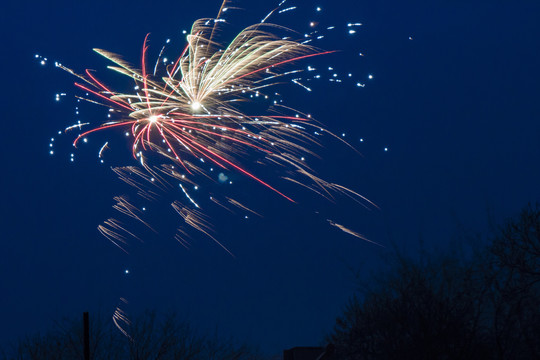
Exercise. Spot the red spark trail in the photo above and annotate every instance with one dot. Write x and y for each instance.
(241, 170)
(104, 97)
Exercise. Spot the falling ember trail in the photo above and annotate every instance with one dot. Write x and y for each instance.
(190, 114)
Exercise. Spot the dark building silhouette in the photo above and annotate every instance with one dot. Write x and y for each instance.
(308, 353)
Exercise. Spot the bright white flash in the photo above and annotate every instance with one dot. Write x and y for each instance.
(195, 105)
(153, 118)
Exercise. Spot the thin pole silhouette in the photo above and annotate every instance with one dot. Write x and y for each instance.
(86, 334)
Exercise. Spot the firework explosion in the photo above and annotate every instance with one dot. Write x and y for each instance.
(191, 113)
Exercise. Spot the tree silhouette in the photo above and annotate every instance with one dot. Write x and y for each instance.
(446, 307)
(516, 282)
(426, 310)
(150, 338)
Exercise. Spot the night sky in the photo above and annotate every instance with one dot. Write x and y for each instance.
(454, 100)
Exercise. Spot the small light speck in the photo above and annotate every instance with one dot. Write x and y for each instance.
(361, 140)
(370, 76)
(126, 271)
(385, 149)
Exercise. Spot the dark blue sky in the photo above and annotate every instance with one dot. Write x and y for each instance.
(457, 107)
